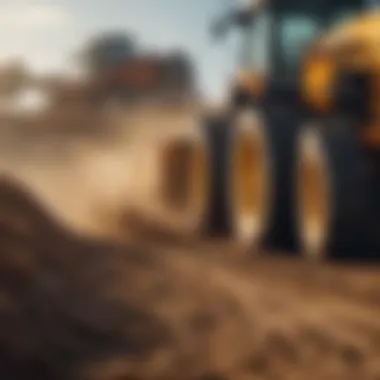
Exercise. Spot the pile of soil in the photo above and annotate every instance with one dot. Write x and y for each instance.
(71, 308)
(74, 308)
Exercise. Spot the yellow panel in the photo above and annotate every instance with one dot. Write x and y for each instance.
(250, 82)
(316, 83)
(354, 45)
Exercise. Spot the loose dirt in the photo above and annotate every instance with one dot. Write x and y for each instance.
(77, 303)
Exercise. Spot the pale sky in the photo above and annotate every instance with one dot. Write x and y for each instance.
(47, 31)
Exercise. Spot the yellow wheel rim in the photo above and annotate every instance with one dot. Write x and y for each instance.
(185, 177)
(312, 195)
(249, 190)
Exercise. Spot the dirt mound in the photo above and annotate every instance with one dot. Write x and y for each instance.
(71, 308)
(58, 312)
(77, 309)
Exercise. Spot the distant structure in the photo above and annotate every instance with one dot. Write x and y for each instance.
(108, 49)
(117, 67)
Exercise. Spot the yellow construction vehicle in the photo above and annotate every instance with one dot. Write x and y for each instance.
(297, 161)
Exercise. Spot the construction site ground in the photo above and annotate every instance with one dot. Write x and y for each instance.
(97, 283)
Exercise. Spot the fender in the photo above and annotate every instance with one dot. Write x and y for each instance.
(353, 46)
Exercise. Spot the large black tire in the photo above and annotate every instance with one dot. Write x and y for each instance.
(281, 129)
(345, 192)
(217, 221)
(275, 130)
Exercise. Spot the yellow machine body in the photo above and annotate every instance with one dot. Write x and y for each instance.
(353, 45)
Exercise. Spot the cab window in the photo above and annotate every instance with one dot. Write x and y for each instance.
(296, 32)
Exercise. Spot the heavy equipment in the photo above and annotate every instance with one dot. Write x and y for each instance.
(294, 159)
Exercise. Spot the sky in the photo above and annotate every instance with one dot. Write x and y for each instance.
(47, 32)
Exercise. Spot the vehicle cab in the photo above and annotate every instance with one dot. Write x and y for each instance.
(274, 38)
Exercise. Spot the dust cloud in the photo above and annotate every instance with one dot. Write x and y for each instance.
(91, 168)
